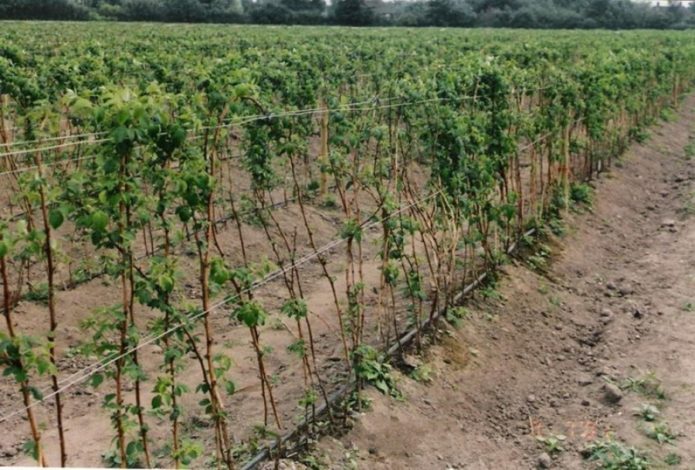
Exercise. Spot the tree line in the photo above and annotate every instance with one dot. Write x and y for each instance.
(573, 14)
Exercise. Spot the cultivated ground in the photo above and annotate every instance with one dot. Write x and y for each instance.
(531, 360)
(589, 345)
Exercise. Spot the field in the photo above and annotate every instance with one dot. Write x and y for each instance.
(208, 232)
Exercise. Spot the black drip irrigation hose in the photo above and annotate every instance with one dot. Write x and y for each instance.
(267, 451)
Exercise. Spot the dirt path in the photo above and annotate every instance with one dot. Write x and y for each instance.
(535, 357)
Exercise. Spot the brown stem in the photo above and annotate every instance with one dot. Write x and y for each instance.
(53, 323)
(24, 385)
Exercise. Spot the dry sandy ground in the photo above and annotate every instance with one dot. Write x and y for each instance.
(615, 302)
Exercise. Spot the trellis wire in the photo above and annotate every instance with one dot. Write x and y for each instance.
(90, 370)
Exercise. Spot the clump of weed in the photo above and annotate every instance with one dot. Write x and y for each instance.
(673, 459)
(688, 208)
(647, 412)
(614, 455)
(489, 291)
(581, 194)
(329, 202)
(539, 260)
(553, 443)
(371, 368)
(647, 385)
(456, 315)
(38, 293)
(639, 134)
(668, 114)
(661, 433)
(357, 401)
(313, 462)
(422, 373)
(312, 188)
(557, 227)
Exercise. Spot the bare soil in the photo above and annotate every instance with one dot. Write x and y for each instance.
(615, 304)
(512, 372)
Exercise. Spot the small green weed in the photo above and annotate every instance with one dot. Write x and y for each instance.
(661, 433)
(614, 455)
(277, 324)
(647, 412)
(312, 188)
(557, 227)
(313, 462)
(358, 401)
(539, 260)
(372, 368)
(38, 293)
(490, 292)
(329, 202)
(673, 459)
(456, 315)
(688, 208)
(639, 134)
(668, 114)
(422, 373)
(647, 385)
(552, 444)
(689, 151)
(582, 194)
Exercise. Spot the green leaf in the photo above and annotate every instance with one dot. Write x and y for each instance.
(99, 221)
(96, 380)
(30, 448)
(251, 314)
(3, 248)
(132, 448)
(295, 308)
(185, 213)
(219, 274)
(56, 218)
(36, 393)
(156, 402)
(166, 283)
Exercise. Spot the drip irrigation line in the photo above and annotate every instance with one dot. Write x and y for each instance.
(88, 371)
(267, 451)
(405, 339)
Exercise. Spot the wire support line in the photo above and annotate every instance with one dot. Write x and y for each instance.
(356, 106)
(89, 371)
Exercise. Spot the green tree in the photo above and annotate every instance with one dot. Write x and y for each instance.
(353, 13)
(449, 13)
